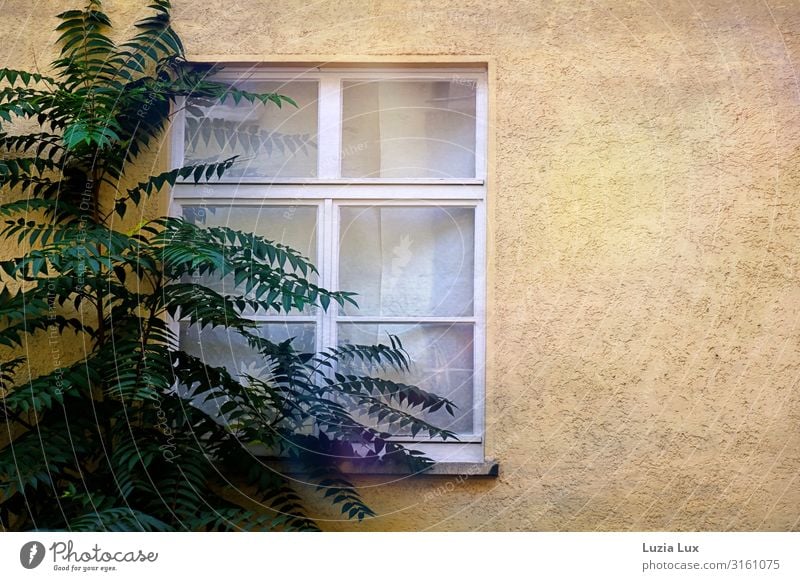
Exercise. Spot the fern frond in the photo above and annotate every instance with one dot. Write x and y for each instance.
(12, 76)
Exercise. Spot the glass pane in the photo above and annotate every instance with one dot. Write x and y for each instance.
(408, 261)
(270, 141)
(293, 226)
(442, 356)
(408, 129)
(222, 348)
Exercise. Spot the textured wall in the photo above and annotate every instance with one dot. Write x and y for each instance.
(643, 357)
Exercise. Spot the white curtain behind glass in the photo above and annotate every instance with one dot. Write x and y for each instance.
(408, 261)
(408, 129)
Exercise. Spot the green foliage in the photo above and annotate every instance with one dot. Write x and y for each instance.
(138, 434)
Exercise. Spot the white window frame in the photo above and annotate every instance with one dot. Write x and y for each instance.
(329, 191)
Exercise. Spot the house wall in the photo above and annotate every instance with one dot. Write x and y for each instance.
(644, 225)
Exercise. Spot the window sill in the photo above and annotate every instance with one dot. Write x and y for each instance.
(322, 181)
(485, 469)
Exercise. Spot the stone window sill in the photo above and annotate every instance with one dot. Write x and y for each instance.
(485, 469)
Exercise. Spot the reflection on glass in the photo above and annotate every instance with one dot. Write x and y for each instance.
(408, 261)
(408, 129)
(270, 141)
(225, 348)
(293, 226)
(221, 347)
(441, 363)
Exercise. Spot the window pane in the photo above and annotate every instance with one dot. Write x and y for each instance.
(408, 129)
(271, 141)
(223, 348)
(408, 261)
(293, 226)
(442, 363)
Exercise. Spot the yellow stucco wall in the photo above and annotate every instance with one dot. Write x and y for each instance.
(643, 358)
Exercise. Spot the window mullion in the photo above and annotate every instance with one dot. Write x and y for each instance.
(328, 254)
(329, 137)
(178, 134)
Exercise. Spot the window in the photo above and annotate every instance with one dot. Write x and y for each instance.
(379, 178)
